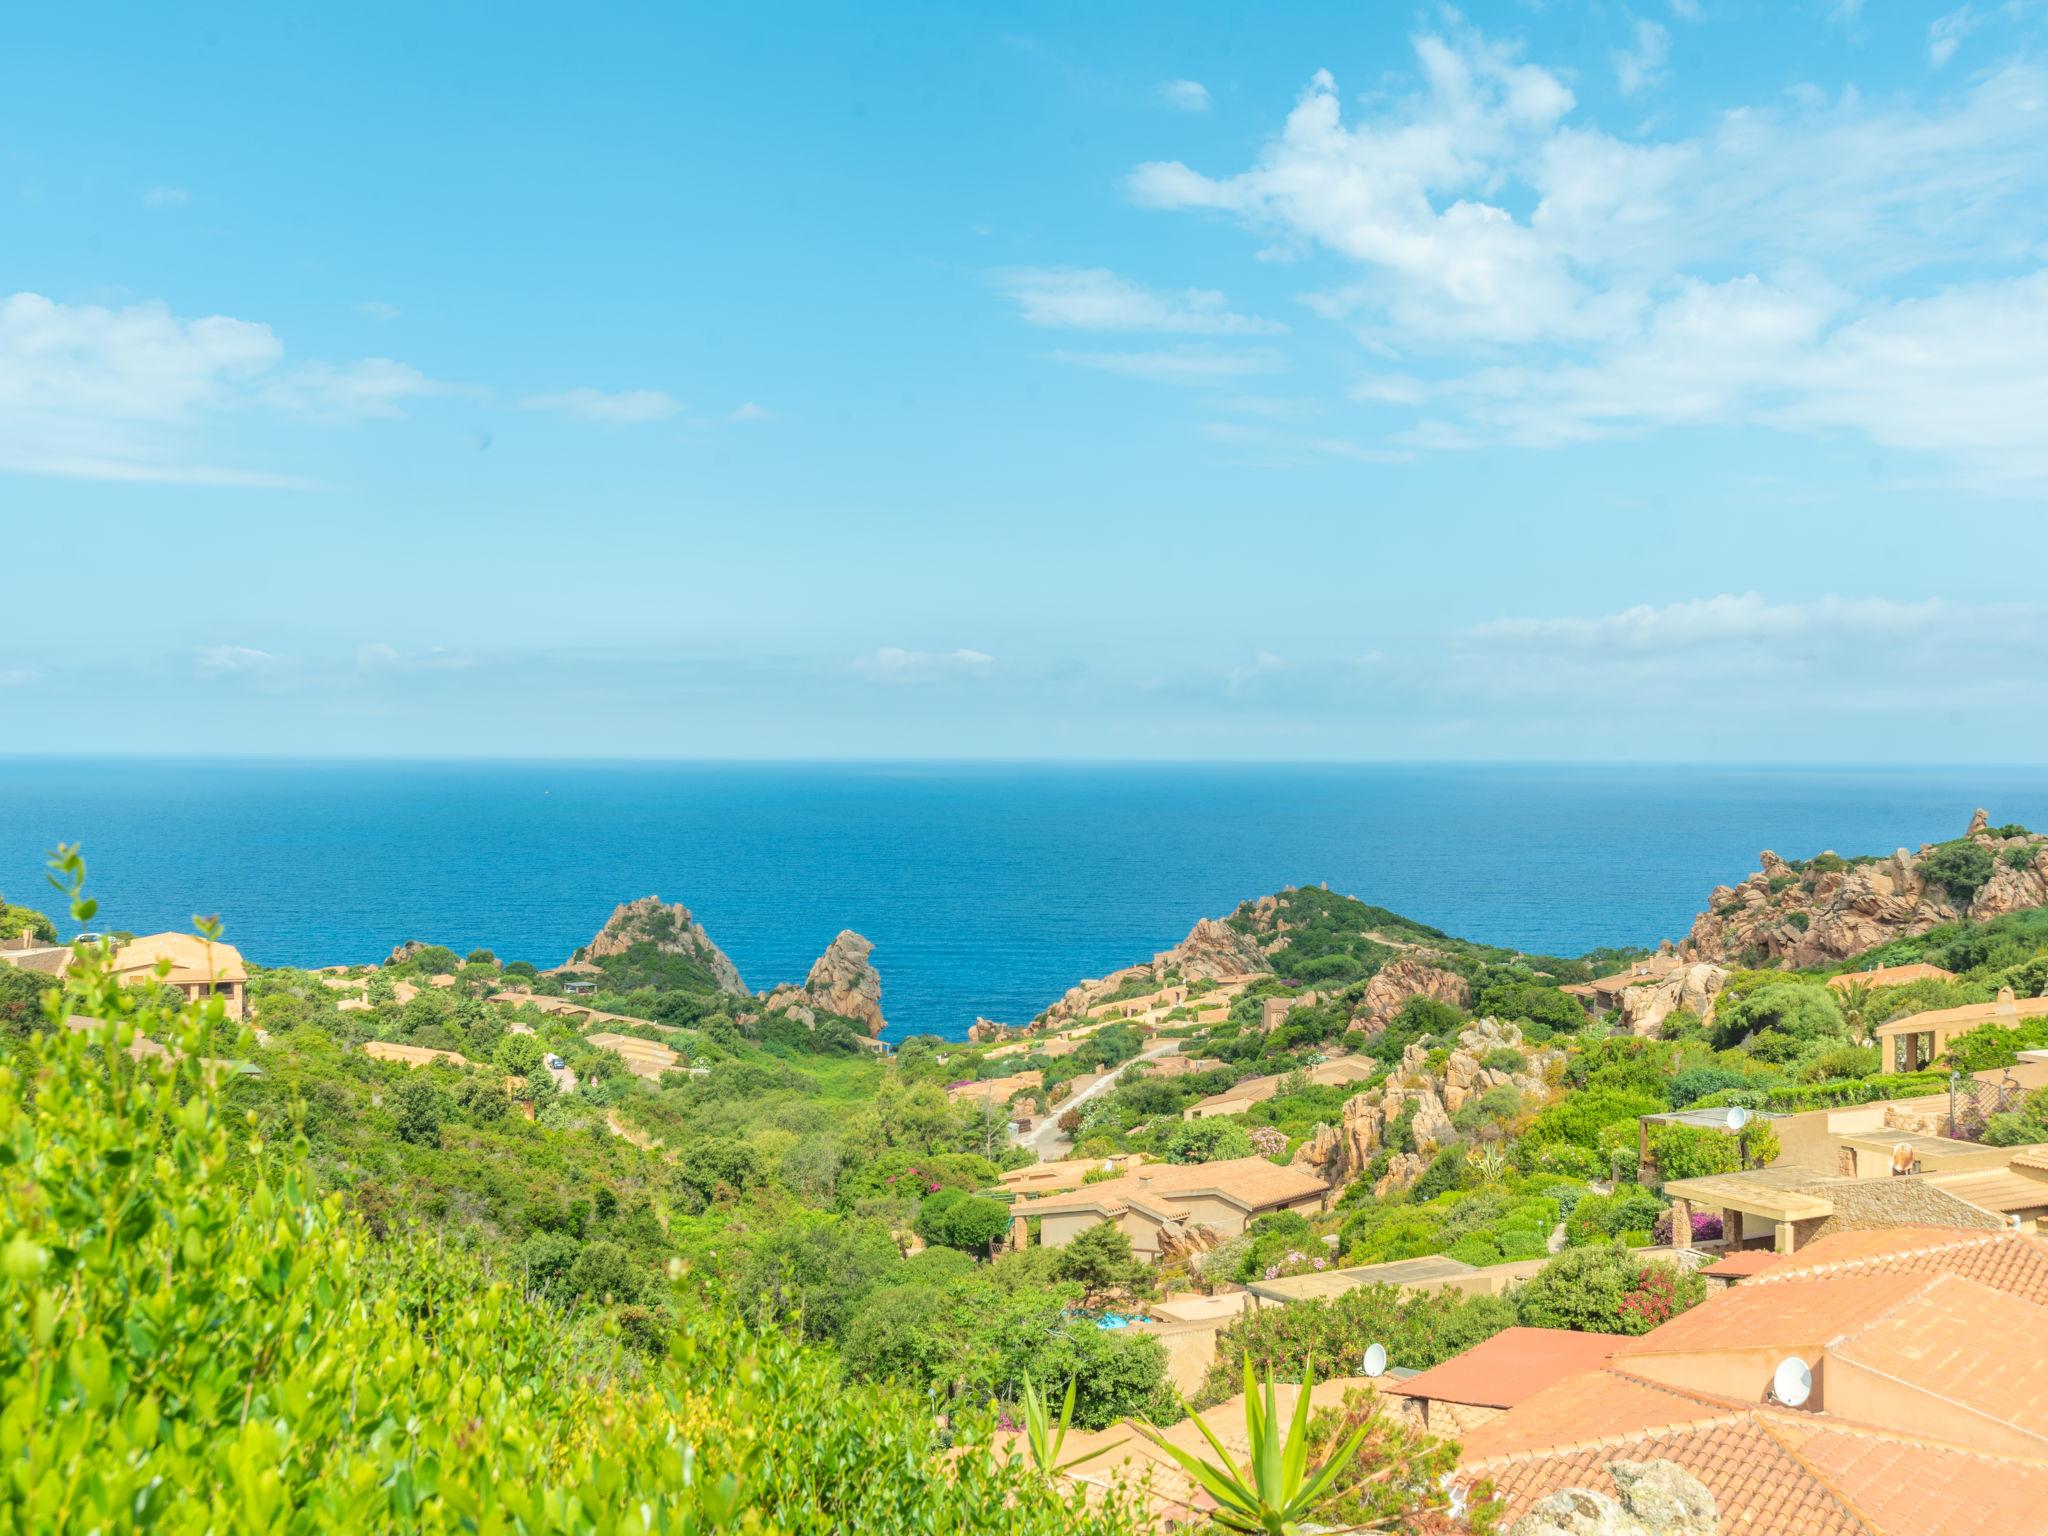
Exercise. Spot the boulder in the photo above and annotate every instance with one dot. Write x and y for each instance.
(1644, 1007)
(1658, 1498)
(843, 981)
(669, 927)
(1405, 977)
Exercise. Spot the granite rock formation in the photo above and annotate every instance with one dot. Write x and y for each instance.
(1344, 1151)
(1213, 951)
(1402, 978)
(1827, 909)
(669, 927)
(1644, 1007)
(842, 981)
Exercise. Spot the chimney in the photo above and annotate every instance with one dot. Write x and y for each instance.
(2005, 1003)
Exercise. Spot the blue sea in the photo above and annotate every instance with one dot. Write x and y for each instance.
(986, 889)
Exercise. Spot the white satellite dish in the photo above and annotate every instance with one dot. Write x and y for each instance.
(1792, 1382)
(1738, 1117)
(1376, 1360)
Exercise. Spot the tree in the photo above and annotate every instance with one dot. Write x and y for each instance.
(602, 1272)
(1790, 1014)
(15, 921)
(1101, 1262)
(520, 1055)
(1213, 1140)
(419, 1109)
(954, 1219)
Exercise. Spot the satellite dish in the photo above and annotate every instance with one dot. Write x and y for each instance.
(1792, 1382)
(1903, 1157)
(1376, 1360)
(1738, 1117)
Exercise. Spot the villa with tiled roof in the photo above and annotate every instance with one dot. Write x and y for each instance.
(1928, 1412)
(1159, 1200)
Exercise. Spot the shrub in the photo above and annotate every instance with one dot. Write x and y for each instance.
(1961, 868)
(1606, 1289)
(1695, 1083)
(1208, 1141)
(970, 1223)
(1578, 1118)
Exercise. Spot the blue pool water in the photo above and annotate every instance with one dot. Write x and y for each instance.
(987, 889)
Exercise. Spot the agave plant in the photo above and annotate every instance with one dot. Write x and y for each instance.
(1273, 1489)
(1043, 1436)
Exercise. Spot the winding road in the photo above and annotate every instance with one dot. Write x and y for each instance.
(1049, 1141)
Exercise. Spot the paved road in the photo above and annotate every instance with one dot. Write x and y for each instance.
(1049, 1141)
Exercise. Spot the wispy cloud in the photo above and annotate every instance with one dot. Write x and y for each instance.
(749, 412)
(1945, 35)
(1564, 282)
(377, 309)
(1185, 95)
(1186, 365)
(895, 662)
(1641, 64)
(89, 392)
(165, 197)
(1096, 299)
(237, 661)
(626, 407)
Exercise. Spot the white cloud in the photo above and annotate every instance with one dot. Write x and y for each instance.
(1564, 282)
(1185, 95)
(750, 412)
(1724, 620)
(371, 387)
(166, 197)
(236, 661)
(1096, 299)
(90, 392)
(894, 662)
(1185, 365)
(624, 407)
(377, 309)
(1642, 63)
(1686, 10)
(1945, 35)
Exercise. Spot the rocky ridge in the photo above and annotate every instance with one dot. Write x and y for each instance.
(1342, 1152)
(669, 927)
(1827, 909)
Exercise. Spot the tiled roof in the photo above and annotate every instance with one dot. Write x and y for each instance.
(2006, 1010)
(1776, 1473)
(1596, 1406)
(1760, 1487)
(1998, 1190)
(412, 1055)
(1957, 1339)
(1768, 1313)
(193, 960)
(2031, 1157)
(1743, 1263)
(1513, 1365)
(1906, 1486)
(1252, 1181)
(2015, 1262)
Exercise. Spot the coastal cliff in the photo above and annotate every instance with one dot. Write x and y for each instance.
(843, 981)
(668, 929)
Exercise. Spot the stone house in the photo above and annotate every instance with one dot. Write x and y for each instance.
(1161, 1206)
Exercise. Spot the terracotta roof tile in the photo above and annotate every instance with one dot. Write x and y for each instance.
(1512, 1366)
(1744, 1263)
(1807, 1311)
(1957, 1339)
(1595, 1406)
(1906, 1486)
(2015, 1262)
(1252, 1180)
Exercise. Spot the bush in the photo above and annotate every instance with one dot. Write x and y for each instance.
(1695, 1083)
(1606, 1289)
(1578, 1118)
(1693, 1151)
(1794, 1013)
(1961, 868)
(1597, 1218)
(1208, 1141)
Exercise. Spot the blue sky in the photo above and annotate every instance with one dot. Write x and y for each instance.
(1653, 381)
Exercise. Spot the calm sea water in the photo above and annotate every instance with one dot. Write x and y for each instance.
(986, 889)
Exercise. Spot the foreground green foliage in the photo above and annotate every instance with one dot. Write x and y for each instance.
(198, 1339)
